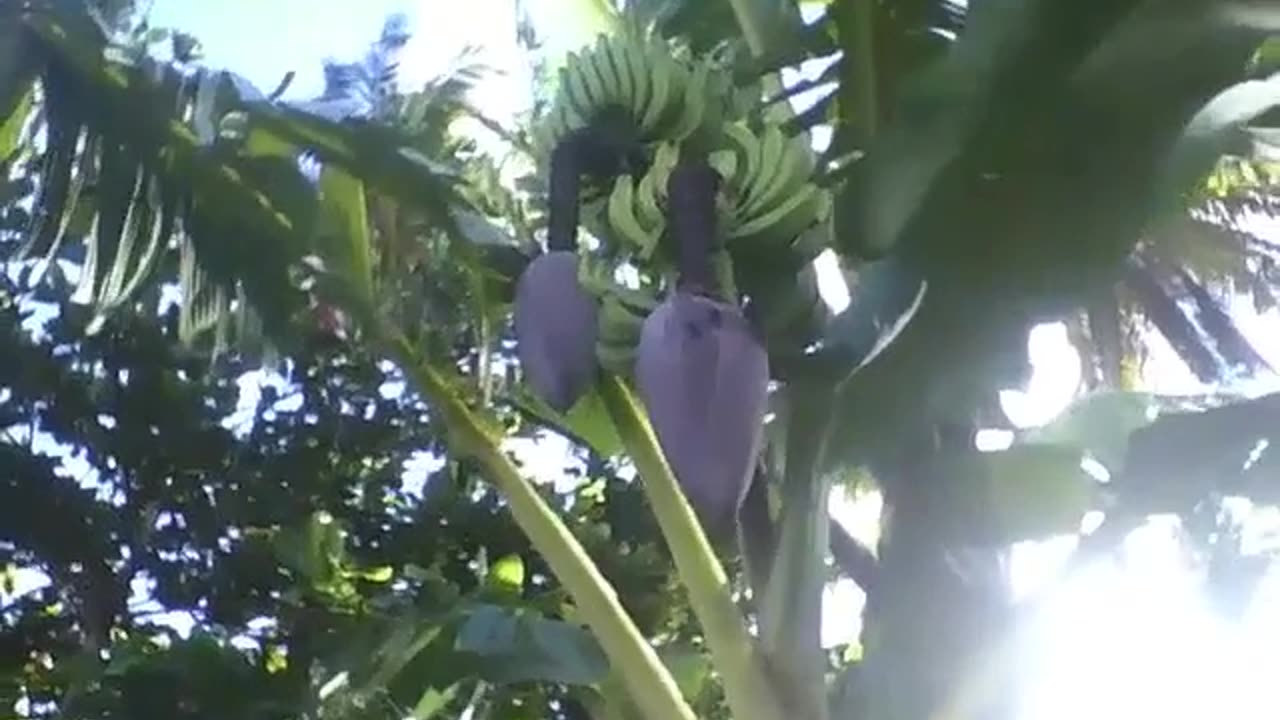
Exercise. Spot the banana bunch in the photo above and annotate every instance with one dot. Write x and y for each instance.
(775, 205)
(622, 314)
(622, 311)
(769, 203)
(635, 210)
(665, 96)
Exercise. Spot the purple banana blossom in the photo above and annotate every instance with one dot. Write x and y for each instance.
(555, 319)
(700, 369)
(555, 324)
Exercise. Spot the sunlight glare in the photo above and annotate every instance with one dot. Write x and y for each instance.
(1137, 639)
(1054, 381)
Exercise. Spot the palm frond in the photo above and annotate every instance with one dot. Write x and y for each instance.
(149, 167)
(1231, 344)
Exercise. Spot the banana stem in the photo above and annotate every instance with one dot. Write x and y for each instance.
(791, 613)
(864, 49)
(752, 25)
(747, 687)
(562, 195)
(648, 680)
(691, 214)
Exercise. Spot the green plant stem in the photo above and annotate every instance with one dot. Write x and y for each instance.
(791, 611)
(864, 88)
(753, 27)
(747, 686)
(648, 680)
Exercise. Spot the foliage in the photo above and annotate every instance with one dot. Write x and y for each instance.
(991, 167)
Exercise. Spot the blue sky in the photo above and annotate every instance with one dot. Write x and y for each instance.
(264, 39)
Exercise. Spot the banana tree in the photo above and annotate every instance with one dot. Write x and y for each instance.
(991, 167)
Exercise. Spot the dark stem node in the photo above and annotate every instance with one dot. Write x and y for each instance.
(691, 216)
(603, 150)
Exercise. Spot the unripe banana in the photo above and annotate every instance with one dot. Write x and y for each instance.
(812, 241)
(620, 75)
(693, 105)
(619, 324)
(617, 359)
(777, 179)
(637, 68)
(623, 221)
(573, 87)
(746, 146)
(725, 162)
(622, 314)
(661, 74)
(782, 224)
(597, 75)
(648, 206)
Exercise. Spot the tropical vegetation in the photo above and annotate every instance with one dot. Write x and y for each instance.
(168, 228)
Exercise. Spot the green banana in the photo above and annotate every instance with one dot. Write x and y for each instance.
(639, 302)
(622, 315)
(725, 162)
(620, 74)
(693, 105)
(597, 76)
(641, 81)
(775, 173)
(618, 324)
(669, 94)
(811, 242)
(787, 220)
(648, 209)
(661, 73)
(623, 220)
(617, 359)
(573, 86)
(747, 146)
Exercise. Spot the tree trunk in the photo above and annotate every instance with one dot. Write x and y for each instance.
(932, 612)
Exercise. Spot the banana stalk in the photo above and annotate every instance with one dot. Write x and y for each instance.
(747, 687)
(651, 685)
(793, 599)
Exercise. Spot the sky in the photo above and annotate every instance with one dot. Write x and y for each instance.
(264, 39)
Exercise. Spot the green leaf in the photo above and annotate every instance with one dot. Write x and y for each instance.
(690, 667)
(345, 242)
(433, 700)
(11, 125)
(587, 422)
(382, 157)
(481, 230)
(1099, 423)
(1007, 65)
(506, 575)
(276, 660)
(1212, 132)
(19, 61)
(380, 574)
(412, 654)
(520, 646)
(315, 549)
(1184, 457)
(1028, 492)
